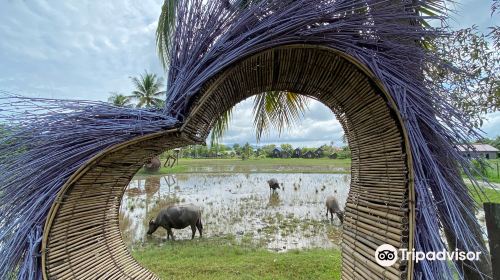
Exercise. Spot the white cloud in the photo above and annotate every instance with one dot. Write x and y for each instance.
(473, 12)
(318, 126)
(491, 125)
(77, 49)
(85, 49)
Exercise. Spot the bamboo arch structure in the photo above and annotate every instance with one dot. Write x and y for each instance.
(82, 240)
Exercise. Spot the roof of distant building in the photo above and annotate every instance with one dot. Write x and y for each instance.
(478, 148)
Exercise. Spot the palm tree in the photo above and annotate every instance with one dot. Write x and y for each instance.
(119, 100)
(275, 109)
(148, 91)
(148, 94)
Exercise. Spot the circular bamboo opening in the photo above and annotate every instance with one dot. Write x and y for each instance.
(82, 237)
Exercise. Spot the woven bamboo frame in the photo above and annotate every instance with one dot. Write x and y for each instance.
(82, 239)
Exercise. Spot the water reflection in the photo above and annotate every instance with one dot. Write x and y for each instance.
(239, 204)
(274, 199)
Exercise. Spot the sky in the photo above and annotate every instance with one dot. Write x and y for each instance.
(87, 49)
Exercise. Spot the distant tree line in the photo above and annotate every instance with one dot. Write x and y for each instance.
(247, 151)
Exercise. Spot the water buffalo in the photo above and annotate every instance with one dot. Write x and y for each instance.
(178, 217)
(153, 165)
(332, 206)
(273, 184)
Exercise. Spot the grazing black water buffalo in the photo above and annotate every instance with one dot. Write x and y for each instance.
(332, 206)
(178, 217)
(273, 184)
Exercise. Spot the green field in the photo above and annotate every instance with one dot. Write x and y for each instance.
(486, 195)
(278, 165)
(223, 258)
(297, 165)
(265, 165)
(491, 172)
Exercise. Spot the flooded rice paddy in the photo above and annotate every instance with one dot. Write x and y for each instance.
(239, 205)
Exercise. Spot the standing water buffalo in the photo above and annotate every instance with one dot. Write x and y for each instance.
(332, 206)
(273, 184)
(177, 217)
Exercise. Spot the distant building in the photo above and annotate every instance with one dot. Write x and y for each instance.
(297, 153)
(479, 150)
(280, 153)
(308, 154)
(319, 152)
(229, 153)
(276, 153)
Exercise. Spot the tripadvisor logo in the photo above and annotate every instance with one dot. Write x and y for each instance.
(387, 255)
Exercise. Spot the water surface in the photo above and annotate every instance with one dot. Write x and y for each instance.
(241, 205)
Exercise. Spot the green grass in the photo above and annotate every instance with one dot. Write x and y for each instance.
(223, 259)
(491, 173)
(490, 195)
(266, 165)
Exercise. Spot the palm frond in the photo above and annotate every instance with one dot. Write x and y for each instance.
(165, 30)
(119, 99)
(433, 9)
(220, 127)
(147, 90)
(140, 104)
(158, 103)
(277, 109)
(261, 118)
(137, 94)
(138, 83)
(160, 93)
